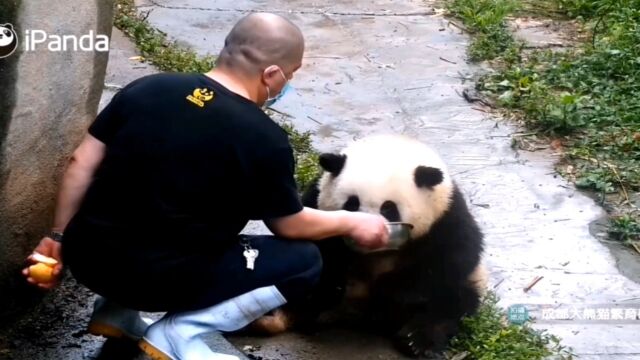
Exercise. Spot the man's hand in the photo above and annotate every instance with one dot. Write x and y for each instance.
(53, 249)
(368, 231)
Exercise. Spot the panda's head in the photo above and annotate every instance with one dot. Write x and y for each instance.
(395, 176)
(8, 40)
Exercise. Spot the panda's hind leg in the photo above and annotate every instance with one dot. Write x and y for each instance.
(277, 322)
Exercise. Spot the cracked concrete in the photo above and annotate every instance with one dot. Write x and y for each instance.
(369, 69)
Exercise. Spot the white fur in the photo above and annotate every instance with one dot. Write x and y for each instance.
(480, 278)
(381, 168)
(6, 40)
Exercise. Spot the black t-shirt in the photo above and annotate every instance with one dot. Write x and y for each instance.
(187, 164)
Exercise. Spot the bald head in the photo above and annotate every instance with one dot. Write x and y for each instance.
(260, 40)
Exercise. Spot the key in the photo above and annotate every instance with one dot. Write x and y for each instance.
(250, 255)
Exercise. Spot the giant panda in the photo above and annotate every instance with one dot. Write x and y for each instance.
(418, 293)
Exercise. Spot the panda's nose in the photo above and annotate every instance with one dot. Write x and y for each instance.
(389, 210)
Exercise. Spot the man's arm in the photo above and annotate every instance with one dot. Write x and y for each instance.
(75, 182)
(367, 230)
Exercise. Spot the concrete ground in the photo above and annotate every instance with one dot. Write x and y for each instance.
(391, 66)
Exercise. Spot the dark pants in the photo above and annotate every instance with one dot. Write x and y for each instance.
(204, 280)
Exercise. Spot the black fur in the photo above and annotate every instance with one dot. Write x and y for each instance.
(424, 298)
(332, 163)
(425, 176)
(352, 204)
(421, 301)
(310, 195)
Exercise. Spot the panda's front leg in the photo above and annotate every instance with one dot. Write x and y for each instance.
(425, 337)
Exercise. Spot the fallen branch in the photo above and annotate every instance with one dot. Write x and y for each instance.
(449, 61)
(314, 120)
(461, 27)
(471, 96)
(418, 88)
(281, 113)
(533, 283)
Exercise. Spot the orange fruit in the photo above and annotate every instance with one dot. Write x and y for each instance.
(41, 273)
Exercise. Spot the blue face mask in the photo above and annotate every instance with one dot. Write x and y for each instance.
(272, 100)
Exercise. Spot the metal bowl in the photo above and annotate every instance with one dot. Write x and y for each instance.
(399, 234)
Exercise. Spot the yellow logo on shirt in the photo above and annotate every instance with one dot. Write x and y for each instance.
(200, 95)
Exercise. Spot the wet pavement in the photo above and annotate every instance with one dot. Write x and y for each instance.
(390, 66)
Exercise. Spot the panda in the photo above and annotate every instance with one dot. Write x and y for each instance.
(418, 293)
(8, 40)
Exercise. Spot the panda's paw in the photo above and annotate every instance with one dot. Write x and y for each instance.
(413, 342)
(421, 339)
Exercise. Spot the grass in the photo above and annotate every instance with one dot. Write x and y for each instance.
(154, 45)
(486, 19)
(307, 167)
(488, 336)
(168, 56)
(587, 98)
(625, 227)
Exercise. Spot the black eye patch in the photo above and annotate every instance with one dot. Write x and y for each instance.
(7, 33)
(352, 203)
(427, 177)
(390, 211)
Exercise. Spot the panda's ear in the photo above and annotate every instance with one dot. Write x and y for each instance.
(426, 176)
(333, 163)
(8, 26)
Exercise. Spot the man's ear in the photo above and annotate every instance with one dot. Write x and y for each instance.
(271, 71)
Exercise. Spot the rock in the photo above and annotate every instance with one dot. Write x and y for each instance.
(47, 100)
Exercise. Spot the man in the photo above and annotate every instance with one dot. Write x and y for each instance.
(170, 171)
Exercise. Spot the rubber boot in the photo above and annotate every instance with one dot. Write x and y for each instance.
(114, 321)
(178, 336)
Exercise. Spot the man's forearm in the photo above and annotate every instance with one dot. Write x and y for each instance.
(312, 224)
(75, 182)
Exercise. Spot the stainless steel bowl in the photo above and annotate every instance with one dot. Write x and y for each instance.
(399, 234)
